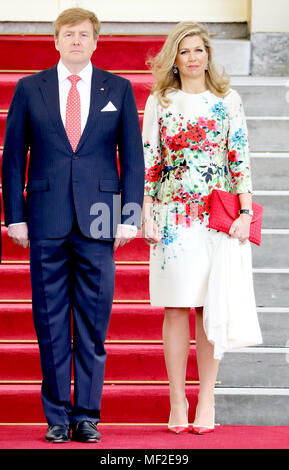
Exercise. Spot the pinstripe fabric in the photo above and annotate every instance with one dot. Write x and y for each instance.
(63, 183)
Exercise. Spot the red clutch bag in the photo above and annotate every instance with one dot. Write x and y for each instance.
(225, 209)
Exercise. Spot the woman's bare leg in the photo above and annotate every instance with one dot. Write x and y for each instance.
(208, 370)
(176, 339)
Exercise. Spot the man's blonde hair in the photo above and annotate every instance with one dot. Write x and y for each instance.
(162, 64)
(73, 16)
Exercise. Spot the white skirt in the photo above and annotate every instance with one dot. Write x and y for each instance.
(211, 270)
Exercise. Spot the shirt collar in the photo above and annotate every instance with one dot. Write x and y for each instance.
(85, 74)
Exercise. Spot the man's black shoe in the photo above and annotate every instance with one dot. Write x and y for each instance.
(58, 433)
(85, 431)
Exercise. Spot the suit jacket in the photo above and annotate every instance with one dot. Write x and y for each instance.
(62, 183)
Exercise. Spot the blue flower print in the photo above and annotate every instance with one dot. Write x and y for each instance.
(239, 137)
(219, 110)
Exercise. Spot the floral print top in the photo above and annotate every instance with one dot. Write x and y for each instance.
(197, 144)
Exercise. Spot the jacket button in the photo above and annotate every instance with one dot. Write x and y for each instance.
(75, 157)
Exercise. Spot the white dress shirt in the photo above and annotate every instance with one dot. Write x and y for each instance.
(83, 87)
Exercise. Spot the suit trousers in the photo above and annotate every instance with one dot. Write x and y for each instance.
(72, 280)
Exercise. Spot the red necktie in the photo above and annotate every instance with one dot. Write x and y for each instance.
(73, 113)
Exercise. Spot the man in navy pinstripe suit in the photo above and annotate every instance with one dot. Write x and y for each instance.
(71, 267)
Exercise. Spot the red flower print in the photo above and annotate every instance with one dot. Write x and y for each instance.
(235, 174)
(178, 219)
(181, 196)
(153, 173)
(192, 210)
(233, 156)
(163, 131)
(205, 146)
(178, 141)
(201, 211)
(198, 133)
(188, 221)
(207, 203)
(212, 125)
(178, 174)
(202, 121)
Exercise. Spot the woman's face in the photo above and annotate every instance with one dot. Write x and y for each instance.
(192, 58)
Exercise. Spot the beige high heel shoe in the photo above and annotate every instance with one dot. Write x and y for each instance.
(180, 428)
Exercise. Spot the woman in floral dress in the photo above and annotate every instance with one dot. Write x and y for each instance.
(195, 140)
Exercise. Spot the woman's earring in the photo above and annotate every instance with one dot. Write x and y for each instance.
(207, 66)
(175, 69)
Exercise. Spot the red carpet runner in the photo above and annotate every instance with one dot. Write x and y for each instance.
(156, 437)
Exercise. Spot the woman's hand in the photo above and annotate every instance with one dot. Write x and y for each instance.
(150, 231)
(149, 228)
(240, 228)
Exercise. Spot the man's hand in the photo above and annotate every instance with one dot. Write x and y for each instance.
(19, 234)
(124, 234)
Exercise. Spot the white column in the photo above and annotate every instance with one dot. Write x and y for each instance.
(130, 10)
(270, 16)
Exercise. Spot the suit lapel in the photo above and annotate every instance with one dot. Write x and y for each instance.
(50, 92)
(98, 99)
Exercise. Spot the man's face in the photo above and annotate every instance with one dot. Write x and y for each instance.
(76, 44)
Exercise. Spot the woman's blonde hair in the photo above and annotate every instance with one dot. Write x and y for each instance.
(162, 64)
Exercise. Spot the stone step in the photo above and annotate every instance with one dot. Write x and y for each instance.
(255, 367)
(273, 251)
(268, 134)
(263, 96)
(252, 406)
(274, 324)
(271, 287)
(233, 54)
(228, 30)
(276, 208)
(270, 171)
